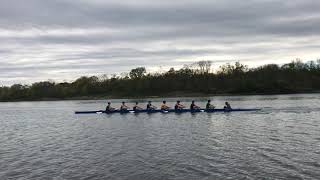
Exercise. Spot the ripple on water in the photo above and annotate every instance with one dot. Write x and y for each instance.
(292, 169)
(197, 171)
(46, 140)
(274, 139)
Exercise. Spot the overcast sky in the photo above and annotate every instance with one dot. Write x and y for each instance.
(65, 39)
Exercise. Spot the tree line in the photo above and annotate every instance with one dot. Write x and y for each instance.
(197, 78)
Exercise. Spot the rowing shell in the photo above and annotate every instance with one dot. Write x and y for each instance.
(164, 111)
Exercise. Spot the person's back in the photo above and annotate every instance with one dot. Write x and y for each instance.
(136, 107)
(150, 106)
(109, 108)
(176, 107)
(227, 106)
(208, 106)
(123, 106)
(193, 106)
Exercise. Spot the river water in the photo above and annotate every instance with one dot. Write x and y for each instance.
(46, 140)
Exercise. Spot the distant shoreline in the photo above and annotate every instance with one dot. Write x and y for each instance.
(191, 81)
(159, 96)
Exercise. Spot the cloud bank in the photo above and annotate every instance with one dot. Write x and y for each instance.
(65, 39)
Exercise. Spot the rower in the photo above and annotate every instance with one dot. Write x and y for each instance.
(136, 107)
(164, 106)
(178, 106)
(124, 106)
(150, 106)
(193, 106)
(209, 106)
(109, 108)
(227, 106)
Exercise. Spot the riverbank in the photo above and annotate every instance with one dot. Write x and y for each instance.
(230, 80)
(169, 95)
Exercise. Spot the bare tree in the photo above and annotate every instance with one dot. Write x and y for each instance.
(204, 67)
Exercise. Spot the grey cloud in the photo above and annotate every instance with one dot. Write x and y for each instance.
(74, 14)
(149, 33)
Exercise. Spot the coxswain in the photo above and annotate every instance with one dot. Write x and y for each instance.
(209, 106)
(178, 106)
(164, 106)
(193, 106)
